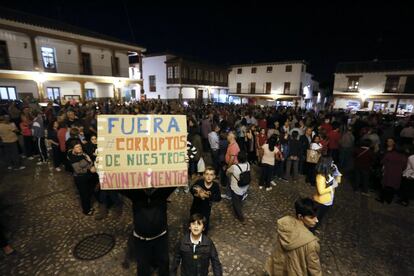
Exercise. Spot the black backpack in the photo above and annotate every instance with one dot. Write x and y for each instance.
(244, 178)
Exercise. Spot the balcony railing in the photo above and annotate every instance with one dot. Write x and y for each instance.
(27, 64)
(196, 82)
(261, 92)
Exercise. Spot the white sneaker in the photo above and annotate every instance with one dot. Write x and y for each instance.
(225, 196)
(39, 163)
(30, 158)
(273, 183)
(10, 168)
(21, 168)
(261, 187)
(58, 169)
(268, 189)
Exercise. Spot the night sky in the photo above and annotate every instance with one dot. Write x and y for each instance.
(243, 33)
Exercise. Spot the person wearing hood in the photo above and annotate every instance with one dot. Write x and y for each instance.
(297, 250)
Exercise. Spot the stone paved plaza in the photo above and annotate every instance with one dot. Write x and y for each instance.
(42, 213)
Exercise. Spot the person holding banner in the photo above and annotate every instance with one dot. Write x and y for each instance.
(149, 207)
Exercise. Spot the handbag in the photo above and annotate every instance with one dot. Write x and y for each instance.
(312, 156)
(201, 166)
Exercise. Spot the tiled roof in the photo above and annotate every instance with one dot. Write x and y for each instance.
(48, 23)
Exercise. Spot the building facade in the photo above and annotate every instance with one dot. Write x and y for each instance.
(44, 59)
(168, 76)
(386, 86)
(281, 83)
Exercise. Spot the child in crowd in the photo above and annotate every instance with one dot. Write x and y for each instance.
(205, 191)
(196, 251)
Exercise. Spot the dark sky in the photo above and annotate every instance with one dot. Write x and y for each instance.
(243, 33)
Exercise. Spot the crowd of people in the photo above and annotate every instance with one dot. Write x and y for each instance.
(373, 151)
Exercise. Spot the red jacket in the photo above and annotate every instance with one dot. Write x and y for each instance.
(26, 130)
(334, 136)
(62, 139)
(363, 158)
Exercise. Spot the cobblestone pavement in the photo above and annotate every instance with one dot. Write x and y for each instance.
(359, 237)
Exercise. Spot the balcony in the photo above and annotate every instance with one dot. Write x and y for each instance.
(262, 92)
(196, 82)
(27, 64)
(346, 89)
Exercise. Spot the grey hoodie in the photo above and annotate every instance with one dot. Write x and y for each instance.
(38, 127)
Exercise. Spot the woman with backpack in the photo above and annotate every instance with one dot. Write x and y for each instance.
(268, 153)
(239, 172)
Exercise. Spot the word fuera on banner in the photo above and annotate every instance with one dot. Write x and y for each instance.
(142, 151)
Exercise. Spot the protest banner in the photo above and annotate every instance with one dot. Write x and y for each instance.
(142, 151)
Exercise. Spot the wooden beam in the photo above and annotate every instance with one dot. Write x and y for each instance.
(36, 64)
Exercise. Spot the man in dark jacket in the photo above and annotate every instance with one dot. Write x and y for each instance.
(305, 141)
(292, 160)
(195, 251)
(149, 208)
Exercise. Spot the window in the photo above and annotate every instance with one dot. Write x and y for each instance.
(90, 94)
(170, 72)
(269, 69)
(176, 72)
(4, 56)
(252, 87)
(193, 74)
(49, 58)
(238, 88)
(211, 76)
(254, 69)
(199, 74)
(303, 68)
(115, 66)
(286, 88)
(185, 73)
(8, 93)
(152, 85)
(288, 68)
(206, 75)
(86, 64)
(268, 87)
(409, 85)
(239, 71)
(353, 83)
(53, 93)
(391, 85)
(133, 94)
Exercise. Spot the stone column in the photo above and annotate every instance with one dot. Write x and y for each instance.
(80, 61)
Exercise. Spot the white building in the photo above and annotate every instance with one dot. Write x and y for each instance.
(46, 59)
(285, 83)
(167, 77)
(375, 85)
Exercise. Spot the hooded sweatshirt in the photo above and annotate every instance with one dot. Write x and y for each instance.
(296, 251)
(38, 127)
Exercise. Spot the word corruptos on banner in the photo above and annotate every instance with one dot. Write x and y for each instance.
(142, 151)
